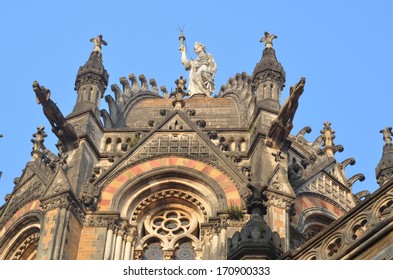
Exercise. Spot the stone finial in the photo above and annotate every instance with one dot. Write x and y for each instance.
(38, 142)
(255, 201)
(98, 42)
(268, 39)
(179, 102)
(328, 134)
(387, 134)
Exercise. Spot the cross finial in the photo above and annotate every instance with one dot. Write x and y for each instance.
(98, 42)
(268, 39)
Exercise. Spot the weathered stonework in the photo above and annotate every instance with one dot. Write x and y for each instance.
(192, 175)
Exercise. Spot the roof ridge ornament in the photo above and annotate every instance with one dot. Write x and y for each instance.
(268, 39)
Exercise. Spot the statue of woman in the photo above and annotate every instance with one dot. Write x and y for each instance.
(202, 70)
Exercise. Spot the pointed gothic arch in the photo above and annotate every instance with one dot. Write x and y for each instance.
(167, 200)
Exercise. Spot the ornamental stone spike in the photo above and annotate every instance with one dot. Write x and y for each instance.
(328, 134)
(38, 142)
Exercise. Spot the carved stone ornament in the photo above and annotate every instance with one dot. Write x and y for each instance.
(268, 39)
(165, 195)
(66, 201)
(60, 127)
(98, 42)
(279, 201)
(183, 144)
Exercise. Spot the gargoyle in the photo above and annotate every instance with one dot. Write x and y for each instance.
(60, 127)
(282, 125)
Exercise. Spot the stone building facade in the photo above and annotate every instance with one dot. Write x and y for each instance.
(167, 176)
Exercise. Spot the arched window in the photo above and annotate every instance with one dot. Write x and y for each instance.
(153, 250)
(184, 251)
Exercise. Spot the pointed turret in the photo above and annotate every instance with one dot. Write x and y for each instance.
(268, 77)
(91, 80)
(384, 170)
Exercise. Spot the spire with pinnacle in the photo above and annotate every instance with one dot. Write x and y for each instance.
(384, 170)
(91, 80)
(268, 77)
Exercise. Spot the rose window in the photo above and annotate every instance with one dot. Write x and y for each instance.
(171, 223)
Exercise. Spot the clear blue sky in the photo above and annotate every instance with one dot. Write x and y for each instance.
(343, 48)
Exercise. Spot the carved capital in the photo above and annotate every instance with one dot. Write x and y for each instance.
(97, 220)
(64, 201)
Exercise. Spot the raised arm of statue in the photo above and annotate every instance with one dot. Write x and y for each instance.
(184, 59)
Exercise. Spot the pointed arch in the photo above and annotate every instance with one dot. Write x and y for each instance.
(21, 240)
(213, 180)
